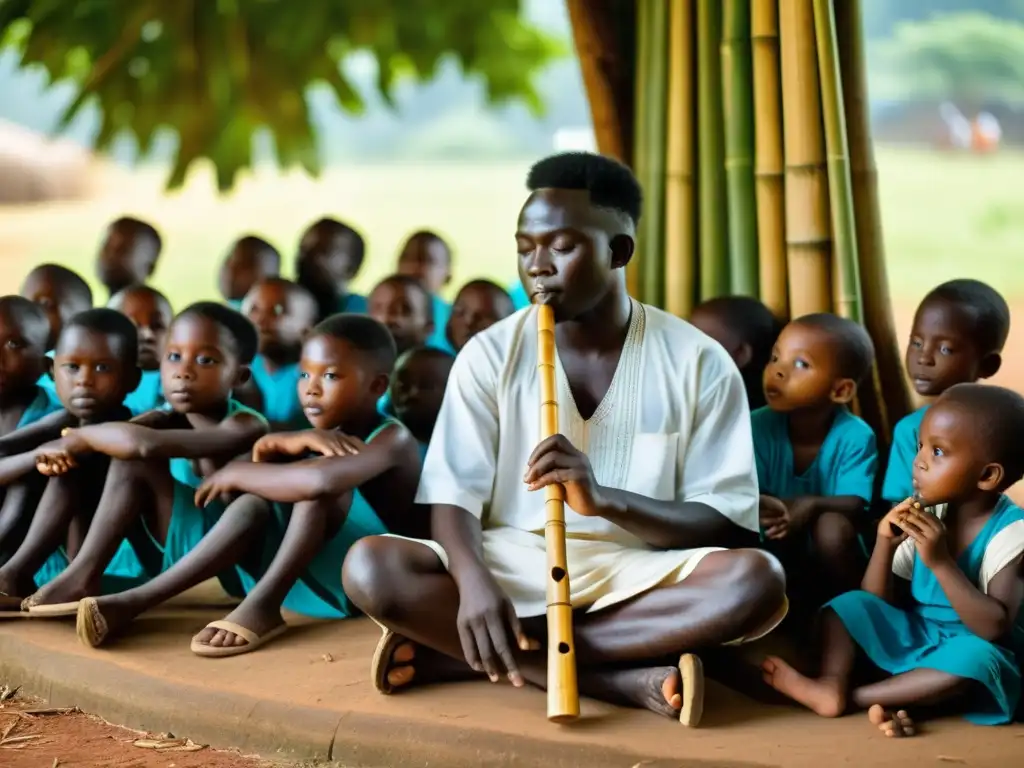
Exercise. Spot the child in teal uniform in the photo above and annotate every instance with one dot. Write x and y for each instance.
(283, 313)
(161, 457)
(250, 260)
(151, 314)
(427, 258)
(939, 610)
(417, 389)
(354, 474)
(96, 367)
(958, 336)
(62, 294)
(748, 330)
(478, 305)
(128, 255)
(402, 305)
(330, 256)
(816, 461)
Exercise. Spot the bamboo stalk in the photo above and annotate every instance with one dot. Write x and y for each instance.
(738, 115)
(642, 150)
(895, 395)
(680, 211)
(846, 298)
(656, 106)
(770, 163)
(808, 235)
(714, 264)
(607, 73)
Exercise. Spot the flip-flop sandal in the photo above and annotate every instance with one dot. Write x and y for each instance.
(90, 626)
(252, 640)
(10, 607)
(53, 611)
(691, 672)
(382, 660)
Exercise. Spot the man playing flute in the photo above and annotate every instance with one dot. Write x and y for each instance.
(655, 455)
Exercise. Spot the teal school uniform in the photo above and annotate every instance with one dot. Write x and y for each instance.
(845, 465)
(519, 296)
(318, 592)
(46, 380)
(235, 304)
(441, 311)
(353, 303)
(899, 484)
(148, 396)
(280, 390)
(931, 635)
(189, 523)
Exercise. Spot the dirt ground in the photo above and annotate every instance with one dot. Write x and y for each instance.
(33, 736)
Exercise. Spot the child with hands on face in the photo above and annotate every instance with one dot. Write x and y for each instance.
(938, 611)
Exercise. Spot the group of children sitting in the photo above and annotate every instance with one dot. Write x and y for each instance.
(120, 428)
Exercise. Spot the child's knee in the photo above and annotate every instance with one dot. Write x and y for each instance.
(834, 535)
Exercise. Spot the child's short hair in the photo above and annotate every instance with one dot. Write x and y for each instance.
(365, 334)
(71, 284)
(988, 310)
(489, 285)
(855, 353)
(241, 331)
(30, 318)
(426, 353)
(295, 291)
(430, 237)
(113, 325)
(141, 229)
(751, 321)
(338, 228)
(262, 248)
(413, 284)
(162, 301)
(999, 414)
(609, 183)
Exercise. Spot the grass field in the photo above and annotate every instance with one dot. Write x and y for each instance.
(945, 216)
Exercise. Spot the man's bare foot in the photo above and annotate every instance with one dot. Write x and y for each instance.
(658, 689)
(896, 725)
(823, 696)
(249, 614)
(416, 663)
(66, 588)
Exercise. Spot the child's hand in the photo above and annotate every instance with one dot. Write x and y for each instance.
(52, 459)
(929, 535)
(324, 442)
(890, 527)
(774, 517)
(220, 485)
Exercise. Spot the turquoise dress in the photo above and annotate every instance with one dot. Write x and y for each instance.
(930, 635)
(519, 296)
(148, 396)
(898, 484)
(318, 592)
(441, 310)
(189, 523)
(353, 303)
(46, 380)
(235, 304)
(845, 465)
(280, 390)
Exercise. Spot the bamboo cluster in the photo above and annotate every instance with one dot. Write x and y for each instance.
(750, 136)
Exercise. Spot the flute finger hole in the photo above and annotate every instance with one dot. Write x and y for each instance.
(563, 647)
(557, 573)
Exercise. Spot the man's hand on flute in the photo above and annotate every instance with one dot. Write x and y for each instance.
(555, 461)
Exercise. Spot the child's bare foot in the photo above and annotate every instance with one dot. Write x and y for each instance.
(66, 588)
(13, 586)
(825, 697)
(896, 725)
(249, 614)
(416, 663)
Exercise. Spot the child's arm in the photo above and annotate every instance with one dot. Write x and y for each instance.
(29, 437)
(878, 578)
(988, 616)
(312, 478)
(231, 437)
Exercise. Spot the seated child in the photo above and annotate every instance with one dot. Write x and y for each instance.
(354, 474)
(402, 305)
(330, 255)
(61, 293)
(958, 334)
(150, 312)
(816, 461)
(283, 313)
(478, 305)
(250, 260)
(161, 457)
(417, 389)
(95, 368)
(938, 612)
(128, 255)
(427, 258)
(748, 330)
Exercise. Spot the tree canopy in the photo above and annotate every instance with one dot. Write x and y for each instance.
(217, 72)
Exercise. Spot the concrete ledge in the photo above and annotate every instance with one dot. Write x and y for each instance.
(307, 696)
